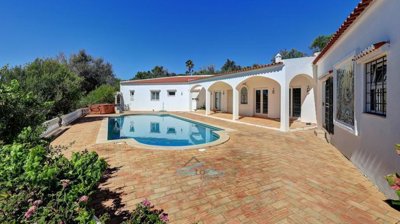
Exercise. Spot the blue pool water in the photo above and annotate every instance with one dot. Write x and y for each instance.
(160, 130)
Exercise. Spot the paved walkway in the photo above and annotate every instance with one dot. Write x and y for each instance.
(258, 176)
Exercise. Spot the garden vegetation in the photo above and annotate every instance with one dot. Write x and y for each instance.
(38, 184)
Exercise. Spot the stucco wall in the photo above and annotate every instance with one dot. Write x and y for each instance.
(142, 101)
(371, 145)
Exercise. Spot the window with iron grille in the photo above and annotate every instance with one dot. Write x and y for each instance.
(376, 87)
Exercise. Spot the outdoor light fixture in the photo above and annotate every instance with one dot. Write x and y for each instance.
(273, 90)
(308, 89)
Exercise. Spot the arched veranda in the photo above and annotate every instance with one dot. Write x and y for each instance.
(221, 97)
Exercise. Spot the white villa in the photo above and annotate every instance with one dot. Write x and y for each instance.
(282, 90)
(350, 90)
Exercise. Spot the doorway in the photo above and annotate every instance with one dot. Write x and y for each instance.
(217, 101)
(328, 105)
(261, 102)
(295, 102)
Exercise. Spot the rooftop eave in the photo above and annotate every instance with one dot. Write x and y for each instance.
(360, 9)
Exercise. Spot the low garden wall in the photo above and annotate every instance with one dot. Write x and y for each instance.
(54, 124)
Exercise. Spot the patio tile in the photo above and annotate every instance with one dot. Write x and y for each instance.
(268, 177)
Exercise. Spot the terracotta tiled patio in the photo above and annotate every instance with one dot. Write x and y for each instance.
(261, 121)
(258, 176)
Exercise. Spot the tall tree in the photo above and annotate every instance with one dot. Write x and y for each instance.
(94, 71)
(230, 66)
(320, 42)
(189, 67)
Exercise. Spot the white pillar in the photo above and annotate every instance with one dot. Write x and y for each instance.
(208, 103)
(235, 104)
(284, 106)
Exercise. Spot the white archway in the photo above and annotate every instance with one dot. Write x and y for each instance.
(263, 97)
(220, 97)
(197, 97)
(301, 98)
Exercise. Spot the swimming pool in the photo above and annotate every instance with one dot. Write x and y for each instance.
(161, 130)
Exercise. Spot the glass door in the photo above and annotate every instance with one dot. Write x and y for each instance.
(262, 101)
(217, 101)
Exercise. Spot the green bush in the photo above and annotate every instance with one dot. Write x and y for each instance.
(103, 94)
(145, 213)
(39, 185)
(18, 109)
(50, 81)
(394, 181)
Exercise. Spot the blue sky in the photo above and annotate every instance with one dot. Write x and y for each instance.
(137, 35)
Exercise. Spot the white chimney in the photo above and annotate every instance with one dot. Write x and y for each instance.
(278, 58)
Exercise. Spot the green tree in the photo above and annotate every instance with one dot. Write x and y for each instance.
(156, 72)
(230, 66)
(103, 94)
(320, 42)
(159, 71)
(19, 108)
(288, 54)
(206, 71)
(50, 81)
(94, 71)
(142, 75)
(189, 67)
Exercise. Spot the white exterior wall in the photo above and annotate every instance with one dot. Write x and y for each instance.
(142, 99)
(371, 145)
(308, 109)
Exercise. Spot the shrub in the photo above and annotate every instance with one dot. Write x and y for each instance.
(103, 94)
(19, 109)
(394, 181)
(145, 213)
(50, 81)
(39, 185)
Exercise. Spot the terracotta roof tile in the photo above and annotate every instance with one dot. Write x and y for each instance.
(347, 23)
(163, 80)
(370, 49)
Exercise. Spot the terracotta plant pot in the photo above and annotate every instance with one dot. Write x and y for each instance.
(102, 109)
